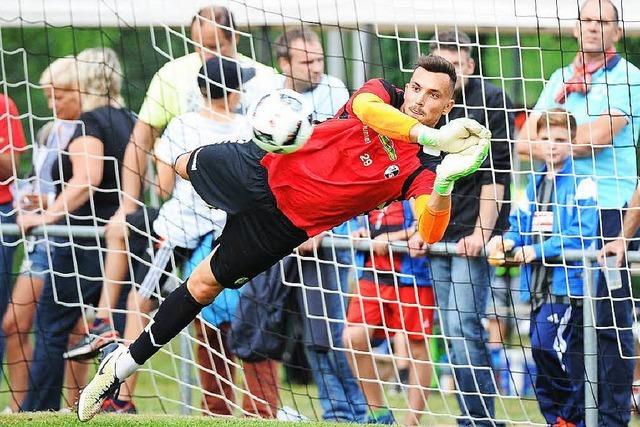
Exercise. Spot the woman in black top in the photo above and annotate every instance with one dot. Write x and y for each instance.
(86, 177)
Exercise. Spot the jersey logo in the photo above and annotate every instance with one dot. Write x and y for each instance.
(366, 160)
(365, 134)
(391, 171)
(195, 158)
(387, 144)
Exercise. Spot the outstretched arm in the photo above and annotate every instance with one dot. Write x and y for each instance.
(433, 211)
(393, 123)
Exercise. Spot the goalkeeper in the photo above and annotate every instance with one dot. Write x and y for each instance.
(371, 153)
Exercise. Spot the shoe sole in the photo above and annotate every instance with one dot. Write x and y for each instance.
(87, 352)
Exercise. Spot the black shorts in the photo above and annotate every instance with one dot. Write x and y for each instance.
(147, 249)
(257, 235)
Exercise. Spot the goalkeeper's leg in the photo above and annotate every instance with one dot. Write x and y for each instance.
(179, 309)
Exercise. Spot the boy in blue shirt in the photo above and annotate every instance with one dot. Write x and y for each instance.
(560, 214)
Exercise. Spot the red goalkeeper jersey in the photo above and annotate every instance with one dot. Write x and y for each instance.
(346, 168)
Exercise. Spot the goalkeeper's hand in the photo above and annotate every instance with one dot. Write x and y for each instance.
(453, 137)
(457, 165)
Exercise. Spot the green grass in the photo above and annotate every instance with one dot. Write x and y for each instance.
(158, 401)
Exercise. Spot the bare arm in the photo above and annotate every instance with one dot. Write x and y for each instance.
(166, 179)
(7, 160)
(491, 196)
(87, 164)
(527, 134)
(134, 164)
(589, 136)
(594, 135)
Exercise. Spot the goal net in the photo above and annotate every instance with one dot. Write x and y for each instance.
(440, 337)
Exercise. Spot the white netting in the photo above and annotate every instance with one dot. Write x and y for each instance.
(297, 311)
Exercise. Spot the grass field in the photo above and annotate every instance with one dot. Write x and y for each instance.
(158, 402)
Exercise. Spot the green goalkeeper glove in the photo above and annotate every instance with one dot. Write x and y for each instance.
(457, 165)
(454, 136)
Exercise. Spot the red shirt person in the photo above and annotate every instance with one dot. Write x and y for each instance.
(11, 138)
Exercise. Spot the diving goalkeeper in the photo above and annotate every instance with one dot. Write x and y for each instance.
(374, 151)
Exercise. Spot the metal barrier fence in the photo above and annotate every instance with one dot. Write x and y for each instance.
(588, 257)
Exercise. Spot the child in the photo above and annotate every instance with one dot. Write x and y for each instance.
(394, 294)
(560, 214)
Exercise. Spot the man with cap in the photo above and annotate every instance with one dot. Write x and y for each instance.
(178, 226)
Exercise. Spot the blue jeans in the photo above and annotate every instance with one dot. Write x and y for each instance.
(76, 268)
(338, 390)
(462, 286)
(557, 348)
(615, 339)
(6, 266)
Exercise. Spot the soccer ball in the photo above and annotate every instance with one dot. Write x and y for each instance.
(281, 121)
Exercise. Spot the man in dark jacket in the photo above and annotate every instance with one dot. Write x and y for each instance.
(479, 211)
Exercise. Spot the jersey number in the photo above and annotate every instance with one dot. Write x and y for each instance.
(366, 160)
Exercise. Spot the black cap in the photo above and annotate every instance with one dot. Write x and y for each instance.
(216, 74)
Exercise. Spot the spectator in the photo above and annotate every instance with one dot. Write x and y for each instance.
(86, 177)
(60, 85)
(172, 92)
(602, 91)
(178, 226)
(560, 214)
(394, 294)
(462, 282)
(301, 58)
(11, 141)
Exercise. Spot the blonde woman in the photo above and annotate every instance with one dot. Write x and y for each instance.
(86, 177)
(35, 193)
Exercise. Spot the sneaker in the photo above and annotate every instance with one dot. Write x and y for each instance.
(386, 418)
(90, 346)
(103, 385)
(115, 407)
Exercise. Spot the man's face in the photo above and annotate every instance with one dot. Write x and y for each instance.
(555, 143)
(65, 102)
(305, 64)
(465, 65)
(210, 40)
(427, 96)
(596, 30)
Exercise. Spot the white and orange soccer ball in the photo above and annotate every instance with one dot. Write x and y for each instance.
(281, 121)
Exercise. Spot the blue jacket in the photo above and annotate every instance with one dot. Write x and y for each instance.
(575, 221)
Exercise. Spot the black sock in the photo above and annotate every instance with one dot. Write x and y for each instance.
(174, 314)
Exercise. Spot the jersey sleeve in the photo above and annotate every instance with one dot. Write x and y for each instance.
(161, 102)
(11, 132)
(420, 184)
(377, 104)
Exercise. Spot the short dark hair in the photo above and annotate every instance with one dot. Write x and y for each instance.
(451, 40)
(616, 15)
(217, 76)
(220, 16)
(285, 40)
(437, 64)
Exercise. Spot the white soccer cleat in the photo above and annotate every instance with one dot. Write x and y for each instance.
(103, 385)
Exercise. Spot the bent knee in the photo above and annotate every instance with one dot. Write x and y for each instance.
(204, 288)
